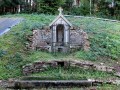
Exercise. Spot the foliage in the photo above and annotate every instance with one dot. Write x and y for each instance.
(11, 4)
(80, 10)
(107, 10)
(86, 55)
(100, 8)
(71, 73)
(2, 53)
(104, 38)
(48, 6)
(13, 53)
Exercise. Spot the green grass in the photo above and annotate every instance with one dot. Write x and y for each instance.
(72, 73)
(104, 39)
(104, 87)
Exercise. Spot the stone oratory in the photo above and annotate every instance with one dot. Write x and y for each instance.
(61, 36)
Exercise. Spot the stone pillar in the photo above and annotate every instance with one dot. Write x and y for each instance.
(66, 34)
(54, 35)
(18, 8)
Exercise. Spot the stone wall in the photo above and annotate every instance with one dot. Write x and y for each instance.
(41, 66)
(78, 37)
(41, 39)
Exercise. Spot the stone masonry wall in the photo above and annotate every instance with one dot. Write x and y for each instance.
(42, 65)
(41, 39)
(78, 37)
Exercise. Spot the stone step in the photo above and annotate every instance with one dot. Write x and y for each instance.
(29, 84)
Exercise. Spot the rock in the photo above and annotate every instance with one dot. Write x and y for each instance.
(104, 68)
(52, 63)
(117, 74)
(117, 82)
(91, 80)
(0, 81)
(86, 45)
(101, 63)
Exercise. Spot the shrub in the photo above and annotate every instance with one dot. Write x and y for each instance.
(49, 6)
(80, 10)
(2, 53)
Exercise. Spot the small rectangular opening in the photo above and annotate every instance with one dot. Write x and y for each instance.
(61, 64)
(59, 49)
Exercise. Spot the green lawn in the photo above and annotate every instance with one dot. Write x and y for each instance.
(104, 39)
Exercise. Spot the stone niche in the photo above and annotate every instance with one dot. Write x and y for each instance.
(59, 36)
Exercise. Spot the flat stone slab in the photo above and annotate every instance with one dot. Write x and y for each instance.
(7, 23)
(35, 84)
(51, 83)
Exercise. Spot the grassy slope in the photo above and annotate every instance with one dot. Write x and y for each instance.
(104, 38)
(75, 73)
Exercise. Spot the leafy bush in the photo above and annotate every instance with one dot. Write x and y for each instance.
(80, 10)
(2, 53)
(49, 6)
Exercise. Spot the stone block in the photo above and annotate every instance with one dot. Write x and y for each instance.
(52, 63)
(43, 38)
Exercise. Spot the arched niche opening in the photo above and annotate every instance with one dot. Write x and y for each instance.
(60, 34)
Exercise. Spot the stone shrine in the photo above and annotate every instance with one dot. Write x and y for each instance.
(59, 37)
(60, 28)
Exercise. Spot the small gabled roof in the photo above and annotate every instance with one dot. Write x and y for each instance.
(60, 16)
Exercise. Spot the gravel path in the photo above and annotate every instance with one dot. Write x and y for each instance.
(7, 23)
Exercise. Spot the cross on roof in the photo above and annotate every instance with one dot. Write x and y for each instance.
(60, 10)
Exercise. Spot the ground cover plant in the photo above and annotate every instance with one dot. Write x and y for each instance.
(103, 35)
(71, 73)
(104, 38)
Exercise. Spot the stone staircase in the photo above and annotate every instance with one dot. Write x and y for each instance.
(28, 82)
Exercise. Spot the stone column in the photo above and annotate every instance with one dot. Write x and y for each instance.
(54, 35)
(66, 35)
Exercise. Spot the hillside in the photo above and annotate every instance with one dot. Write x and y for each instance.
(104, 37)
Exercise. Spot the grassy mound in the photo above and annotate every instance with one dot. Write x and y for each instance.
(104, 39)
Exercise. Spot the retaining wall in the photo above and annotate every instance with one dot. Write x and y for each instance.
(42, 65)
